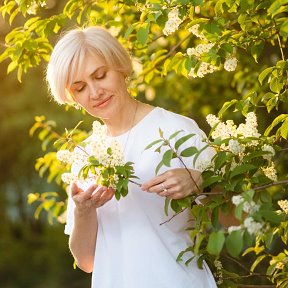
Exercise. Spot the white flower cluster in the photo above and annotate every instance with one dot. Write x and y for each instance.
(249, 129)
(235, 147)
(218, 274)
(204, 68)
(203, 165)
(269, 149)
(234, 228)
(237, 200)
(106, 150)
(230, 64)
(195, 30)
(226, 130)
(229, 129)
(173, 22)
(249, 207)
(250, 224)
(199, 50)
(253, 227)
(270, 172)
(212, 120)
(283, 205)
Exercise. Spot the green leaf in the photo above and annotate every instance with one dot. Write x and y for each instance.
(93, 161)
(166, 207)
(276, 84)
(268, 237)
(167, 156)
(199, 240)
(175, 134)
(264, 74)
(275, 122)
(175, 206)
(272, 216)
(220, 160)
(182, 140)
(276, 7)
(284, 29)
(188, 152)
(12, 66)
(225, 106)
(211, 180)
(256, 50)
(257, 261)
(160, 164)
(284, 129)
(238, 211)
(152, 144)
(234, 243)
(32, 197)
(271, 269)
(215, 242)
(272, 103)
(142, 33)
(241, 169)
(117, 194)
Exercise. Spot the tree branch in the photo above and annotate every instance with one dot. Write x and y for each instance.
(270, 185)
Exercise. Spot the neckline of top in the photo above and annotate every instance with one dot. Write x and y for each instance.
(148, 115)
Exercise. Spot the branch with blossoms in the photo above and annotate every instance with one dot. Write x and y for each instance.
(243, 169)
(98, 160)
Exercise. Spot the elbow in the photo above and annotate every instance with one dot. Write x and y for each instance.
(84, 261)
(85, 266)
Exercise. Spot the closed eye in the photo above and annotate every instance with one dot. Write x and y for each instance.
(100, 75)
(79, 88)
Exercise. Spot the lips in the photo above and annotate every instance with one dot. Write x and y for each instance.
(103, 102)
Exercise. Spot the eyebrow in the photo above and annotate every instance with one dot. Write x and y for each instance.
(92, 74)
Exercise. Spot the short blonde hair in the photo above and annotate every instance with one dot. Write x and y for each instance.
(68, 57)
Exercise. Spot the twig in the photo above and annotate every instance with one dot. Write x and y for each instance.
(136, 183)
(173, 216)
(270, 185)
(279, 41)
(245, 276)
(181, 160)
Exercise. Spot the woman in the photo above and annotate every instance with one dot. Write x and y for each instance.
(121, 242)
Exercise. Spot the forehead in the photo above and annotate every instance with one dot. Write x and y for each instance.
(84, 65)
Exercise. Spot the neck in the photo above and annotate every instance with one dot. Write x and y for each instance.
(125, 120)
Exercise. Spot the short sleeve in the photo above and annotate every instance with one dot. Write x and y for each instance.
(70, 215)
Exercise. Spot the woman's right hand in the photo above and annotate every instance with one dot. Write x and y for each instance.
(94, 197)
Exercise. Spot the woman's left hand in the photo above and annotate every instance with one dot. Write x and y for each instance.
(174, 183)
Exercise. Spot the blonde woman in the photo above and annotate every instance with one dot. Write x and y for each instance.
(121, 242)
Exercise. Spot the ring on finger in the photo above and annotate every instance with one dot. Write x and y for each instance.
(165, 189)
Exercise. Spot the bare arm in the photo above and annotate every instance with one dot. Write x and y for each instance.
(82, 241)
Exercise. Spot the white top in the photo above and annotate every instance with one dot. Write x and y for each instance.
(132, 249)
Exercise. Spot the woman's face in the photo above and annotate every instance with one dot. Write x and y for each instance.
(101, 91)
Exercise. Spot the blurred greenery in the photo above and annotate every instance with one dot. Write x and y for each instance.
(34, 253)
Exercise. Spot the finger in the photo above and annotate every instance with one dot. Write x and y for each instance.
(102, 196)
(162, 187)
(75, 189)
(97, 194)
(85, 195)
(152, 182)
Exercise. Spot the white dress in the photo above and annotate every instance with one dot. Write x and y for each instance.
(132, 249)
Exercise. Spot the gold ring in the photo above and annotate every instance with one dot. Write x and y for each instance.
(164, 187)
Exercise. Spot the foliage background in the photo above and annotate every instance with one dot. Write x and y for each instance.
(34, 253)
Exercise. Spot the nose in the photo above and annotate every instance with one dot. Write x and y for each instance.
(95, 92)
